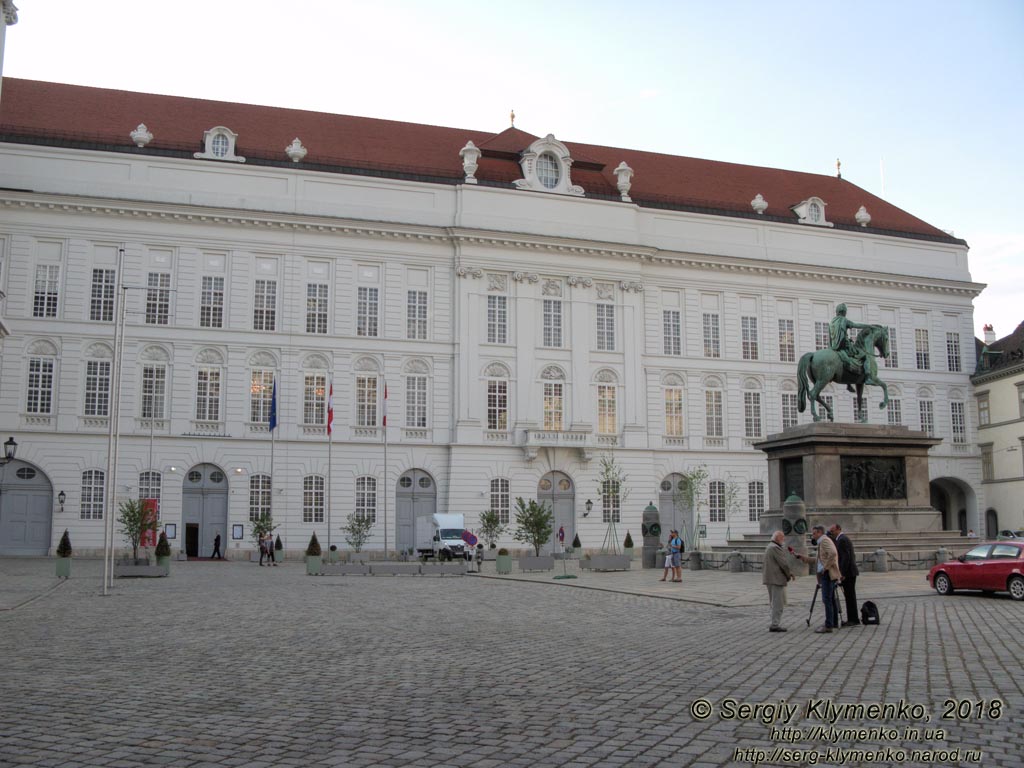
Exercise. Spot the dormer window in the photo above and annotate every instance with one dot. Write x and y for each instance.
(547, 170)
(814, 213)
(219, 144)
(811, 211)
(546, 165)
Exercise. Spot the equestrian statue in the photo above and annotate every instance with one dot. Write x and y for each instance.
(846, 361)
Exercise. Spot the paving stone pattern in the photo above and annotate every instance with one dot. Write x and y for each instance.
(229, 664)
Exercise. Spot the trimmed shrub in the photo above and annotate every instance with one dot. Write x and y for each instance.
(629, 540)
(313, 550)
(163, 548)
(64, 548)
(576, 542)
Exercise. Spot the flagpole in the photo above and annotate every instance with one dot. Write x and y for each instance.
(385, 424)
(272, 424)
(330, 472)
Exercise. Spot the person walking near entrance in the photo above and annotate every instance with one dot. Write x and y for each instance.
(263, 549)
(849, 571)
(216, 548)
(777, 575)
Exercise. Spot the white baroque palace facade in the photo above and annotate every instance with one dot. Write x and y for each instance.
(528, 307)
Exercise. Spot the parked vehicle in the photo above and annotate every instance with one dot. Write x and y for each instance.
(1009, 535)
(440, 536)
(992, 567)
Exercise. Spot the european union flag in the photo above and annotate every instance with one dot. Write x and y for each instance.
(273, 407)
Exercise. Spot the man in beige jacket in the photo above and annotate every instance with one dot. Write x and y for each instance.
(776, 576)
(828, 575)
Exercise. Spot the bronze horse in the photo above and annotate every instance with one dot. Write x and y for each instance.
(825, 366)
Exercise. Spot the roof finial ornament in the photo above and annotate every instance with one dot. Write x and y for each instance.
(839, 173)
(512, 117)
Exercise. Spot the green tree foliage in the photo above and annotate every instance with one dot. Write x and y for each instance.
(491, 527)
(357, 530)
(533, 523)
(64, 548)
(313, 550)
(260, 527)
(135, 521)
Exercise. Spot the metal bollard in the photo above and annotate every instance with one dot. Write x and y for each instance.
(696, 563)
(881, 561)
(735, 562)
(942, 556)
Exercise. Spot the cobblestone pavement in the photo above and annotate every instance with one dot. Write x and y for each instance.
(229, 664)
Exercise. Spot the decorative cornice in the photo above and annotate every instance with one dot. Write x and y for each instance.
(464, 271)
(519, 277)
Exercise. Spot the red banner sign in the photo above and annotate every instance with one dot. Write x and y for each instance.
(151, 508)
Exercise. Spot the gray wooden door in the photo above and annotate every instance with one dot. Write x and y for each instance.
(557, 490)
(204, 502)
(415, 496)
(675, 511)
(26, 510)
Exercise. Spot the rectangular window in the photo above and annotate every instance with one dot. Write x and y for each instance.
(606, 327)
(787, 341)
(417, 315)
(101, 302)
(149, 487)
(366, 499)
(674, 411)
(611, 502)
(497, 405)
(259, 496)
(314, 399)
(716, 501)
(264, 312)
(755, 500)
(984, 415)
(552, 323)
(894, 412)
(97, 388)
(154, 391)
(208, 394)
(924, 358)
(790, 415)
(44, 303)
(497, 320)
(500, 499)
(748, 327)
(713, 408)
(987, 468)
(40, 386)
(416, 401)
(211, 303)
(313, 499)
(927, 409)
(261, 393)
(158, 298)
(752, 414)
(316, 308)
(893, 360)
(606, 417)
(958, 421)
(367, 308)
(91, 507)
(822, 339)
(712, 343)
(553, 407)
(366, 401)
(672, 324)
(953, 352)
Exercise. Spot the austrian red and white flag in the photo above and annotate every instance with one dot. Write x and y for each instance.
(330, 409)
(384, 410)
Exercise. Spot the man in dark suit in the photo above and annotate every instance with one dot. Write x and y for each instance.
(848, 568)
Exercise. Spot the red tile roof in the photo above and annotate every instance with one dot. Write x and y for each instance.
(54, 113)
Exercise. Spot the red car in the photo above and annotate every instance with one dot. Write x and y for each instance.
(994, 567)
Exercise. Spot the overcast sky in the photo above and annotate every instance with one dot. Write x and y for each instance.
(922, 101)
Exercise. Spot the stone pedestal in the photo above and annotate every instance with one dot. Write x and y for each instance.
(866, 477)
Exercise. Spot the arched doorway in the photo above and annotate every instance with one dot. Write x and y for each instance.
(991, 524)
(557, 490)
(957, 503)
(415, 496)
(674, 508)
(26, 510)
(204, 509)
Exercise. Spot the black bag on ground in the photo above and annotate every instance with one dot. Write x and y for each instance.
(869, 613)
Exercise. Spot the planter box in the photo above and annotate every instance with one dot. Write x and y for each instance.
(63, 567)
(394, 569)
(164, 562)
(131, 571)
(456, 568)
(533, 563)
(313, 565)
(345, 569)
(181, 557)
(357, 557)
(606, 563)
(504, 564)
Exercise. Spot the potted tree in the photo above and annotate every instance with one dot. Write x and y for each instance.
(278, 550)
(135, 521)
(314, 557)
(64, 556)
(357, 531)
(627, 546)
(504, 561)
(258, 530)
(163, 552)
(576, 546)
(534, 527)
(491, 529)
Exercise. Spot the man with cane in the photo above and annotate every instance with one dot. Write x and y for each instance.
(828, 575)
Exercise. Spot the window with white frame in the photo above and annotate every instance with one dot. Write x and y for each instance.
(497, 405)
(261, 395)
(154, 391)
(314, 399)
(366, 401)
(552, 322)
(755, 500)
(500, 499)
(158, 298)
(787, 341)
(264, 311)
(208, 394)
(674, 411)
(984, 414)
(894, 412)
(97, 388)
(606, 327)
(822, 338)
(752, 422)
(713, 424)
(790, 415)
(607, 423)
(366, 499)
(548, 170)
(211, 302)
(611, 501)
(417, 315)
(673, 330)
(416, 401)
(44, 303)
(748, 328)
(101, 300)
(497, 319)
(316, 307)
(553, 406)
(91, 507)
(149, 487)
(259, 496)
(367, 309)
(716, 501)
(953, 352)
(893, 359)
(313, 499)
(39, 394)
(921, 350)
(712, 341)
(958, 421)
(927, 411)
